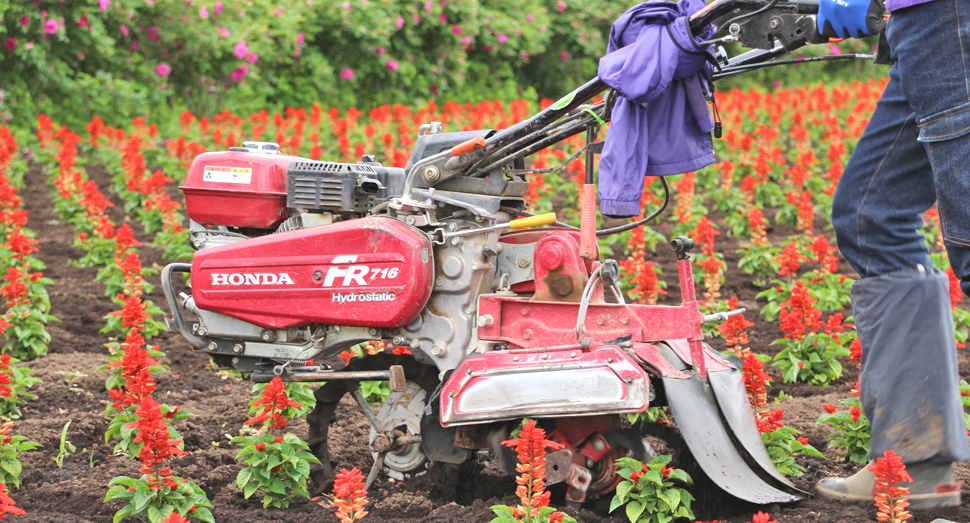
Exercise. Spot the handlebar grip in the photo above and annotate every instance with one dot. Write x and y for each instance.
(534, 221)
(467, 147)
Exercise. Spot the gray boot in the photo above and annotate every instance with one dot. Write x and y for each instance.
(932, 488)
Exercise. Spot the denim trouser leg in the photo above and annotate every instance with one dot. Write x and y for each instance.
(915, 151)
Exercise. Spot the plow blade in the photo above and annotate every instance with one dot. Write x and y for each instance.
(695, 410)
(732, 398)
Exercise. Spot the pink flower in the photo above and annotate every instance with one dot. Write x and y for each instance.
(456, 29)
(347, 74)
(223, 31)
(346, 5)
(80, 55)
(380, 51)
(300, 38)
(28, 46)
(134, 46)
(239, 73)
(252, 57)
(428, 6)
(561, 5)
(392, 65)
(10, 44)
(25, 20)
(83, 21)
(163, 70)
(834, 49)
(276, 12)
(564, 55)
(124, 29)
(524, 55)
(466, 40)
(399, 23)
(503, 38)
(204, 12)
(103, 4)
(240, 50)
(50, 26)
(218, 8)
(530, 18)
(443, 19)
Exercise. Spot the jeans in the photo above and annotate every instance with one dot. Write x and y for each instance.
(915, 150)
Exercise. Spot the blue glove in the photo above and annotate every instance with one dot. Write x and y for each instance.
(850, 18)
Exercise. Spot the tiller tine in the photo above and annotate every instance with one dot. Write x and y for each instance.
(732, 398)
(694, 406)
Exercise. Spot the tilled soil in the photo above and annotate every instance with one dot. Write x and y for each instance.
(75, 491)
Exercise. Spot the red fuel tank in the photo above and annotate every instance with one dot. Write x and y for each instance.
(368, 272)
(238, 189)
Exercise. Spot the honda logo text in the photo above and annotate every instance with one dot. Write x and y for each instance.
(261, 278)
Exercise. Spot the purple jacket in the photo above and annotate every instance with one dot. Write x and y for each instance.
(661, 122)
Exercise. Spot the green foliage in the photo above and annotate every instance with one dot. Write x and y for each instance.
(651, 415)
(10, 449)
(506, 514)
(812, 359)
(66, 448)
(27, 337)
(20, 381)
(122, 416)
(759, 259)
(649, 492)
(853, 436)
(144, 500)
(783, 444)
(375, 391)
(279, 465)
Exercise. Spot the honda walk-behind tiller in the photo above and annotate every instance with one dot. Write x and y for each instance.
(299, 260)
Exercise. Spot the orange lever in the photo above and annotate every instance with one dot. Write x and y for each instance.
(470, 146)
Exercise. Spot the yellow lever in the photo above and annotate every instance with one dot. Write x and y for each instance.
(534, 221)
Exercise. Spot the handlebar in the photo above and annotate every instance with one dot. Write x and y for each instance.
(718, 8)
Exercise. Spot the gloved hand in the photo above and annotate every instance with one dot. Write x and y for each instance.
(850, 18)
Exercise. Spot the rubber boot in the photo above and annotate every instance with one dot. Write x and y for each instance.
(932, 488)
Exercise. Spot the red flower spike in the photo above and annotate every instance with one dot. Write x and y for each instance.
(762, 517)
(349, 495)
(829, 408)
(275, 403)
(531, 447)
(890, 470)
(8, 505)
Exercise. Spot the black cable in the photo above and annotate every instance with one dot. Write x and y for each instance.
(767, 6)
(728, 71)
(634, 225)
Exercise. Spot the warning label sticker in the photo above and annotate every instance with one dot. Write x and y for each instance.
(216, 174)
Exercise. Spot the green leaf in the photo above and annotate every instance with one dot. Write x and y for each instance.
(125, 511)
(142, 498)
(633, 511)
(622, 491)
(681, 476)
(243, 477)
(672, 497)
(154, 515)
(250, 488)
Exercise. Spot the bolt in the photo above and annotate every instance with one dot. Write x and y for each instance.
(476, 266)
(598, 445)
(431, 174)
(202, 330)
(237, 348)
(452, 226)
(515, 358)
(454, 241)
(734, 29)
(440, 281)
(600, 320)
(773, 23)
(468, 371)
(629, 379)
(410, 220)
(398, 340)
(624, 320)
(486, 320)
(552, 257)
(527, 334)
(235, 361)
(213, 345)
(317, 275)
(268, 336)
(437, 350)
(524, 262)
(572, 354)
(545, 356)
(524, 311)
(451, 394)
(590, 463)
(609, 359)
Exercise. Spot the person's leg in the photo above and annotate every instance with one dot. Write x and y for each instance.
(909, 387)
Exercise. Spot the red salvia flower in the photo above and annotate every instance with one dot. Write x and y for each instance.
(799, 317)
(153, 432)
(822, 254)
(275, 403)
(890, 500)
(704, 235)
(7, 504)
(733, 330)
(132, 313)
(855, 413)
(349, 495)
(531, 447)
(762, 517)
(790, 260)
(956, 293)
